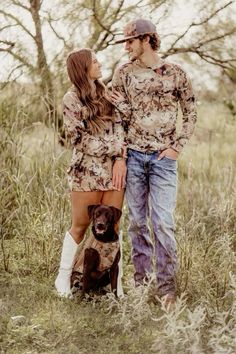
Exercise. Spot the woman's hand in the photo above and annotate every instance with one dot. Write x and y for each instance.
(114, 97)
(124, 151)
(119, 174)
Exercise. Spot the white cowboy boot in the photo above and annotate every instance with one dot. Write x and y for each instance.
(68, 253)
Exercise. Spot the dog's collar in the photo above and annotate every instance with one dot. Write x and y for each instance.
(97, 238)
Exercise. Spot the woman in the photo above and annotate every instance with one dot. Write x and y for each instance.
(98, 169)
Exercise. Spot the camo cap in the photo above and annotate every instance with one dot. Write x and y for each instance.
(137, 28)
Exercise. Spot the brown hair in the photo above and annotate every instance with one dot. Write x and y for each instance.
(154, 40)
(99, 108)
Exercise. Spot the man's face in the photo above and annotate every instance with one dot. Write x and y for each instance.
(135, 48)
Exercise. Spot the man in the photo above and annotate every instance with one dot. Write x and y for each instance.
(152, 89)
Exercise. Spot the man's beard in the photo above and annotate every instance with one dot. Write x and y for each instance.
(140, 52)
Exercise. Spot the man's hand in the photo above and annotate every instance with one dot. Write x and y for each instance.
(169, 153)
(119, 174)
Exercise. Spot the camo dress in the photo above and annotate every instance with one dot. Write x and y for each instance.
(93, 156)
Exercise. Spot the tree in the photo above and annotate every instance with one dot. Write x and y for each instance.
(95, 24)
(16, 50)
(207, 36)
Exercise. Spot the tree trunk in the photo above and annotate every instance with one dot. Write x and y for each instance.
(46, 85)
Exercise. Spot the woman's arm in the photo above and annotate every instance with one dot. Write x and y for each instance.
(119, 168)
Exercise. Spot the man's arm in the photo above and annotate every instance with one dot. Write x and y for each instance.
(123, 107)
(188, 107)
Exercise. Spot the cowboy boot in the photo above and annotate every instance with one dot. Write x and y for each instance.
(62, 282)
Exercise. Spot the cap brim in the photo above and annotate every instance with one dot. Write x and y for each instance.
(125, 39)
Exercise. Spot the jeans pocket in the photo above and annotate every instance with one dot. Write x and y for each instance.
(130, 152)
(168, 164)
(169, 158)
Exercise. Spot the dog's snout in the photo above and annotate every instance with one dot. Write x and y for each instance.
(100, 226)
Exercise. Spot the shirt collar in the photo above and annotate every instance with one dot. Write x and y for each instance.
(153, 67)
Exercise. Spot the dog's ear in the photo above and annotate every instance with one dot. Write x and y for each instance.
(91, 209)
(117, 214)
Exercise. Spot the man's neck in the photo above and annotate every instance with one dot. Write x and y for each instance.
(150, 58)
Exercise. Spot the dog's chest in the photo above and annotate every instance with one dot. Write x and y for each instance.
(107, 253)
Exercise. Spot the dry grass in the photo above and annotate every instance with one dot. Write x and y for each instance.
(35, 213)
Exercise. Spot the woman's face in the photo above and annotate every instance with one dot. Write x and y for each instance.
(95, 69)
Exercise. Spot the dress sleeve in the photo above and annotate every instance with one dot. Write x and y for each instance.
(75, 116)
(188, 107)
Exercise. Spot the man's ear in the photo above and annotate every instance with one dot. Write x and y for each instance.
(146, 39)
(117, 214)
(91, 209)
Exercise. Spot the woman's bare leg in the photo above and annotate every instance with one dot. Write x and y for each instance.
(80, 222)
(114, 198)
(80, 218)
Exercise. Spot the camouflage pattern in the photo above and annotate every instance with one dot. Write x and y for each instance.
(92, 158)
(150, 109)
(107, 252)
(130, 30)
(137, 28)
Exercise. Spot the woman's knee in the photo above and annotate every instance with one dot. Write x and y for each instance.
(78, 232)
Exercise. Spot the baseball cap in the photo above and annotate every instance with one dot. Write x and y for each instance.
(137, 28)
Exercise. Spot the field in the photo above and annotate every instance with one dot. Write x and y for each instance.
(35, 213)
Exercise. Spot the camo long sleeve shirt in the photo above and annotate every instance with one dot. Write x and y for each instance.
(92, 158)
(150, 108)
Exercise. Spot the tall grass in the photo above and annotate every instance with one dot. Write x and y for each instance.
(35, 213)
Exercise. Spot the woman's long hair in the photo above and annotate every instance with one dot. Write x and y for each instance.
(99, 108)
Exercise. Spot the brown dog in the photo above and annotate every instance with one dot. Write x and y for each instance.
(97, 262)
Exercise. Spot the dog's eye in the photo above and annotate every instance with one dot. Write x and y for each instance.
(98, 213)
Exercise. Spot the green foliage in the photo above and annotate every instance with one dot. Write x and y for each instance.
(35, 213)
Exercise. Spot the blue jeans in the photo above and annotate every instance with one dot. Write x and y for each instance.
(153, 182)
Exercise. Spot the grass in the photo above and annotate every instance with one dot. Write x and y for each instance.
(35, 213)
